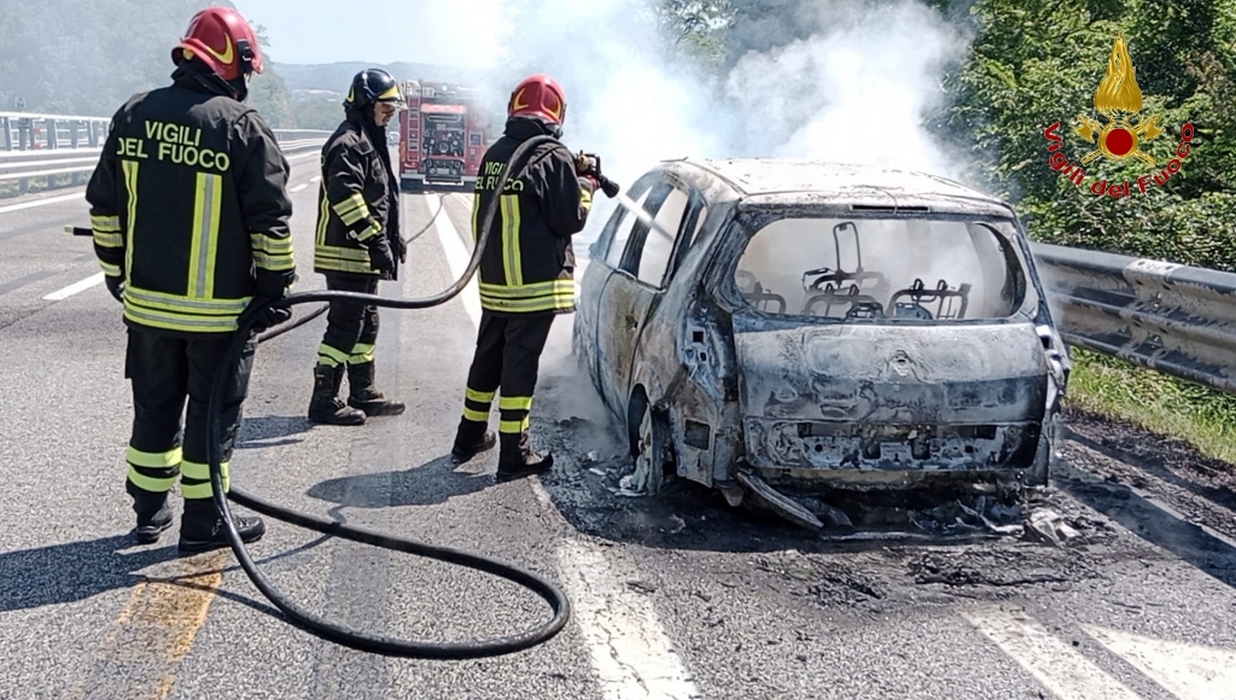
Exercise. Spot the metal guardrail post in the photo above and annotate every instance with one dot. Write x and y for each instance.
(8, 133)
(50, 125)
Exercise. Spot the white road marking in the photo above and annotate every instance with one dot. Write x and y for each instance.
(457, 257)
(315, 179)
(1063, 670)
(297, 188)
(1189, 671)
(631, 654)
(74, 288)
(80, 196)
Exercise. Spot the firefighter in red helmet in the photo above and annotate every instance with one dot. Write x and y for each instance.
(526, 273)
(189, 210)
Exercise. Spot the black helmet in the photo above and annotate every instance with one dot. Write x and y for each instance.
(373, 85)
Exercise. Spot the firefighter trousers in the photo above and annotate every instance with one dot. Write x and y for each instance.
(164, 370)
(508, 356)
(351, 326)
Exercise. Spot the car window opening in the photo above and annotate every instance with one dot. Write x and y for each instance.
(919, 269)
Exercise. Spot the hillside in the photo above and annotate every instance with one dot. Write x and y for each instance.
(337, 76)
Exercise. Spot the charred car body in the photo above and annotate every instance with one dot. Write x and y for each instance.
(780, 330)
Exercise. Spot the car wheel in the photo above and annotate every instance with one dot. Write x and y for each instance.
(651, 448)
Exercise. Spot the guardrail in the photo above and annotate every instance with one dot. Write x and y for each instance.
(1171, 318)
(61, 151)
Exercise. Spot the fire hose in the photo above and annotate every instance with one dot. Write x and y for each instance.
(315, 624)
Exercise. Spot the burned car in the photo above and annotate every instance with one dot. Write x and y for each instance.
(783, 330)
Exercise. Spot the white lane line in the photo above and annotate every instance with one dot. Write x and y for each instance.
(74, 288)
(1063, 670)
(1189, 671)
(315, 179)
(80, 196)
(457, 257)
(297, 188)
(631, 654)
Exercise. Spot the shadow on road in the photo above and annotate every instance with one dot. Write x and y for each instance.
(271, 431)
(64, 573)
(434, 482)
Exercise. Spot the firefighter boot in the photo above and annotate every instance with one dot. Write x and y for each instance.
(325, 406)
(201, 528)
(363, 395)
(517, 459)
(154, 515)
(471, 439)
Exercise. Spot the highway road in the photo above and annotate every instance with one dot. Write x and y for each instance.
(675, 596)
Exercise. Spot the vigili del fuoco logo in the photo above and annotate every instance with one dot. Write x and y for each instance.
(1119, 101)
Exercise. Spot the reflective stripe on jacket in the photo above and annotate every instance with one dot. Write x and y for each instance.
(528, 263)
(189, 205)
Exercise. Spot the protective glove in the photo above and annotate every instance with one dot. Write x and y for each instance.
(401, 249)
(115, 285)
(380, 257)
(584, 163)
(271, 317)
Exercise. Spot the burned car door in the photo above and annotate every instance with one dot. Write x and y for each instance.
(632, 291)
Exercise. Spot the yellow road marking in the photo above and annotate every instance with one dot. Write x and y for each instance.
(156, 629)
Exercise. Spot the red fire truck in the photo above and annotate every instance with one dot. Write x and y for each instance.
(442, 136)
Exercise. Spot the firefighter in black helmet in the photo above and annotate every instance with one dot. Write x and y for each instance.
(358, 244)
(526, 273)
(190, 210)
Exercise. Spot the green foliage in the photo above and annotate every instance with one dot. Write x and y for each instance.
(86, 57)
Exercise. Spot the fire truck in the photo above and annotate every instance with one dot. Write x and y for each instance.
(443, 135)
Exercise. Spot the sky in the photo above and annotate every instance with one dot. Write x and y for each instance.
(379, 31)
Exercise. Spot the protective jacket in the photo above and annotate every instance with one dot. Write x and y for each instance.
(188, 204)
(358, 202)
(528, 263)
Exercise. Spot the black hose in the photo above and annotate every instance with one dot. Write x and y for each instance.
(293, 325)
(319, 626)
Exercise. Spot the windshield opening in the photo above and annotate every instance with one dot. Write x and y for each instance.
(847, 269)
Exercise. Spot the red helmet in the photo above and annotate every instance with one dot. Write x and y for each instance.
(538, 96)
(223, 40)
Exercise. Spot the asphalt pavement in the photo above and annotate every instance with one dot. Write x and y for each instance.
(1124, 591)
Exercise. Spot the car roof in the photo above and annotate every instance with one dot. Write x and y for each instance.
(781, 181)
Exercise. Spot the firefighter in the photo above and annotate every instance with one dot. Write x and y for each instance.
(358, 244)
(526, 273)
(189, 211)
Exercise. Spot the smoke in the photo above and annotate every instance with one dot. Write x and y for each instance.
(855, 90)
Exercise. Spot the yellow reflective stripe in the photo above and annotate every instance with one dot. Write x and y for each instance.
(351, 209)
(342, 253)
(475, 416)
(108, 239)
(509, 204)
(107, 224)
(335, 355)
(392, 92)
(175, 302)
(479, 396)
(109, 269)
(502, 291)
(515, 403)
(154, 460)
(177, 322)
(361, 353)
(196, 470)
(129, 168)
(270, 244)
(323, 214)
(585, 199)
(207, 207)
(369, 232)
(275, 263)
(513, 426)
(344, 266)
(157, 484)
(527, 306)
(476, 217)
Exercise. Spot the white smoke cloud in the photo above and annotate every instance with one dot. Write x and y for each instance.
(855, 91)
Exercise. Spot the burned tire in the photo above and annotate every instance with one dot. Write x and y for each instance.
(649, 435)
